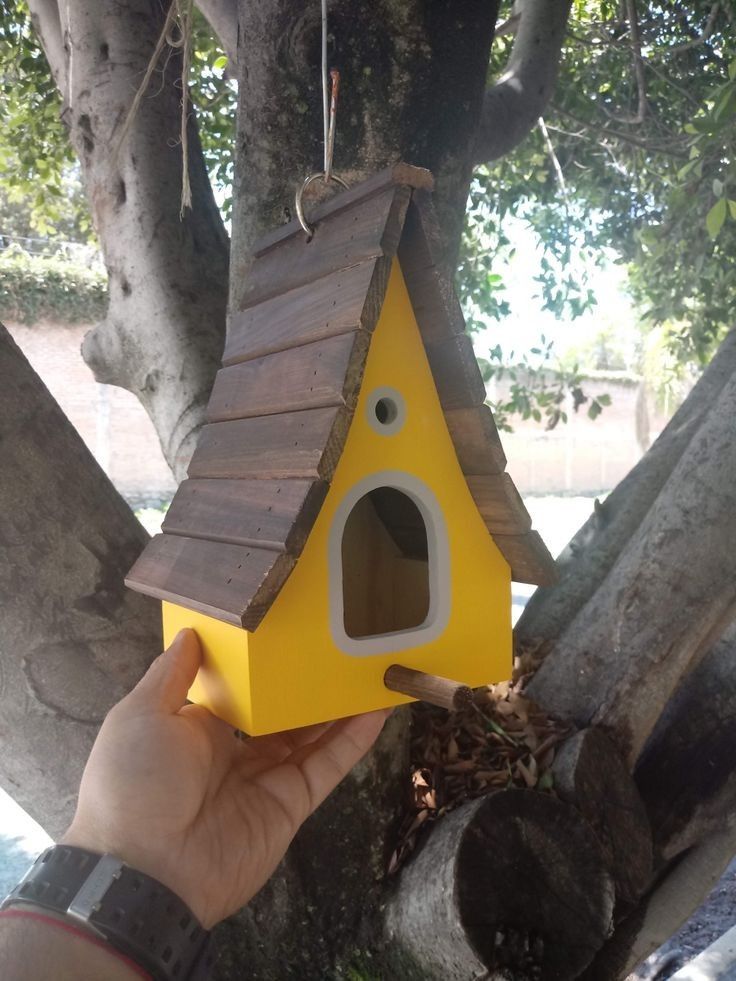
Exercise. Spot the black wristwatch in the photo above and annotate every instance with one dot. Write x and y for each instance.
(134, 913)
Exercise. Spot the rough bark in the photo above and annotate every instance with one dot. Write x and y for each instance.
(686, 772)
(668, 905)
(515, 881)
(512, 107)
(667, 599)
(590, 556)
(74, 640)
(162, 336)
(413, 76)
(589, 773)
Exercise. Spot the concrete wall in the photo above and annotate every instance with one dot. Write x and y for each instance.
(110, 420)
(585, 455)
(582, 456)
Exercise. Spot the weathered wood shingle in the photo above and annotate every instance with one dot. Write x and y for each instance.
(282, 403)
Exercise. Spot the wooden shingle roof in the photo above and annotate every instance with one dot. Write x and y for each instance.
(283, 402)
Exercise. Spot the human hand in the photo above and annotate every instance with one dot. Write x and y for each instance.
(171, 791)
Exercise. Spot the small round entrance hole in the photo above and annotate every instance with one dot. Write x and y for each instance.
(387, 411)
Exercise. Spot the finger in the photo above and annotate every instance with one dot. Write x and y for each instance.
(221, 733)
(164, 687)
(322, 764)
(276, 746)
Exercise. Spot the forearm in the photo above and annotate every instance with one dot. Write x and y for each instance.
(34, 949)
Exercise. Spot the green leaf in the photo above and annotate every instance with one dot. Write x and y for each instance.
(684, 171)
(715, 218)
(220, 63)
(546, 781)
(732, 207)
(718, 188)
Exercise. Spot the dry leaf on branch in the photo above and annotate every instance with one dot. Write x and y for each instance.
(502, 740)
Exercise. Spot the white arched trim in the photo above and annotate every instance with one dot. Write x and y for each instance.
(438, 554)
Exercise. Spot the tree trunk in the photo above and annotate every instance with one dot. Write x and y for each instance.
(74, 640)
(667, 599)
(163, 333)
(413, 77)
(685, 771)
(589, 773)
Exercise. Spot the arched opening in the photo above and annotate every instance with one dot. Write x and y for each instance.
(385, 565)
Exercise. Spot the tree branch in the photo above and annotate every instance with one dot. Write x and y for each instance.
(47, 23)
(74, 639)
(222, 16)
(641, 82)
(670, 903)
(616, 134)
(513, 105)
(704, 34)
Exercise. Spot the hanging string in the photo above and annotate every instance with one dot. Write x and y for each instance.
(135, 105)
(330, 138)
(181, 13)
(186, 8)
(330, 94)
(325, 97)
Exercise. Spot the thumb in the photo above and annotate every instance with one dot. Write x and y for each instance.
(164, 687)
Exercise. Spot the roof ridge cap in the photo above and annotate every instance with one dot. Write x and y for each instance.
(393, 176)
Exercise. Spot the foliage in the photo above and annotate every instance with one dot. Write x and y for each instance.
(638, 163)
(214, 96)
(34, 288)
(537, 391)
(41, 189)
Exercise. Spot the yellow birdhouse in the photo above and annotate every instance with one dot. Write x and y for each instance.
(346, 508)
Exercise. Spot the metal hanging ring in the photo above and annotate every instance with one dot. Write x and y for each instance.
(300, 193)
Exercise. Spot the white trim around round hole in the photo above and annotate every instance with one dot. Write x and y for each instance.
(385, 410)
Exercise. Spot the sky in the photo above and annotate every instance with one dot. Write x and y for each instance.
(527, 322)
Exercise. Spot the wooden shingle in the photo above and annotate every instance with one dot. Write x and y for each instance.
(283, 402)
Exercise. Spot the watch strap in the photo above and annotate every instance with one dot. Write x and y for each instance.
(133, 912)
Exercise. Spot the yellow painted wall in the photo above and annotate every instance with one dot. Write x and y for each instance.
(289, 671)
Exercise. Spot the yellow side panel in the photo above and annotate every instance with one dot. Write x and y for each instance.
(223, 683)
(290, 672)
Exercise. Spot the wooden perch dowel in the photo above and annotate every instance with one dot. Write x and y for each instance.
(428, 687)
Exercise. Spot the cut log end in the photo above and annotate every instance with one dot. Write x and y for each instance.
(514, 884)
(590, 773)
(430, 688)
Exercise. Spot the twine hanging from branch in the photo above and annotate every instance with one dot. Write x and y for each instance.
(186, 10)
(180, 14)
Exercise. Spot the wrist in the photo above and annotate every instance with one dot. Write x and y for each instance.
(140, 917)
(154, 862)
(48, 938)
